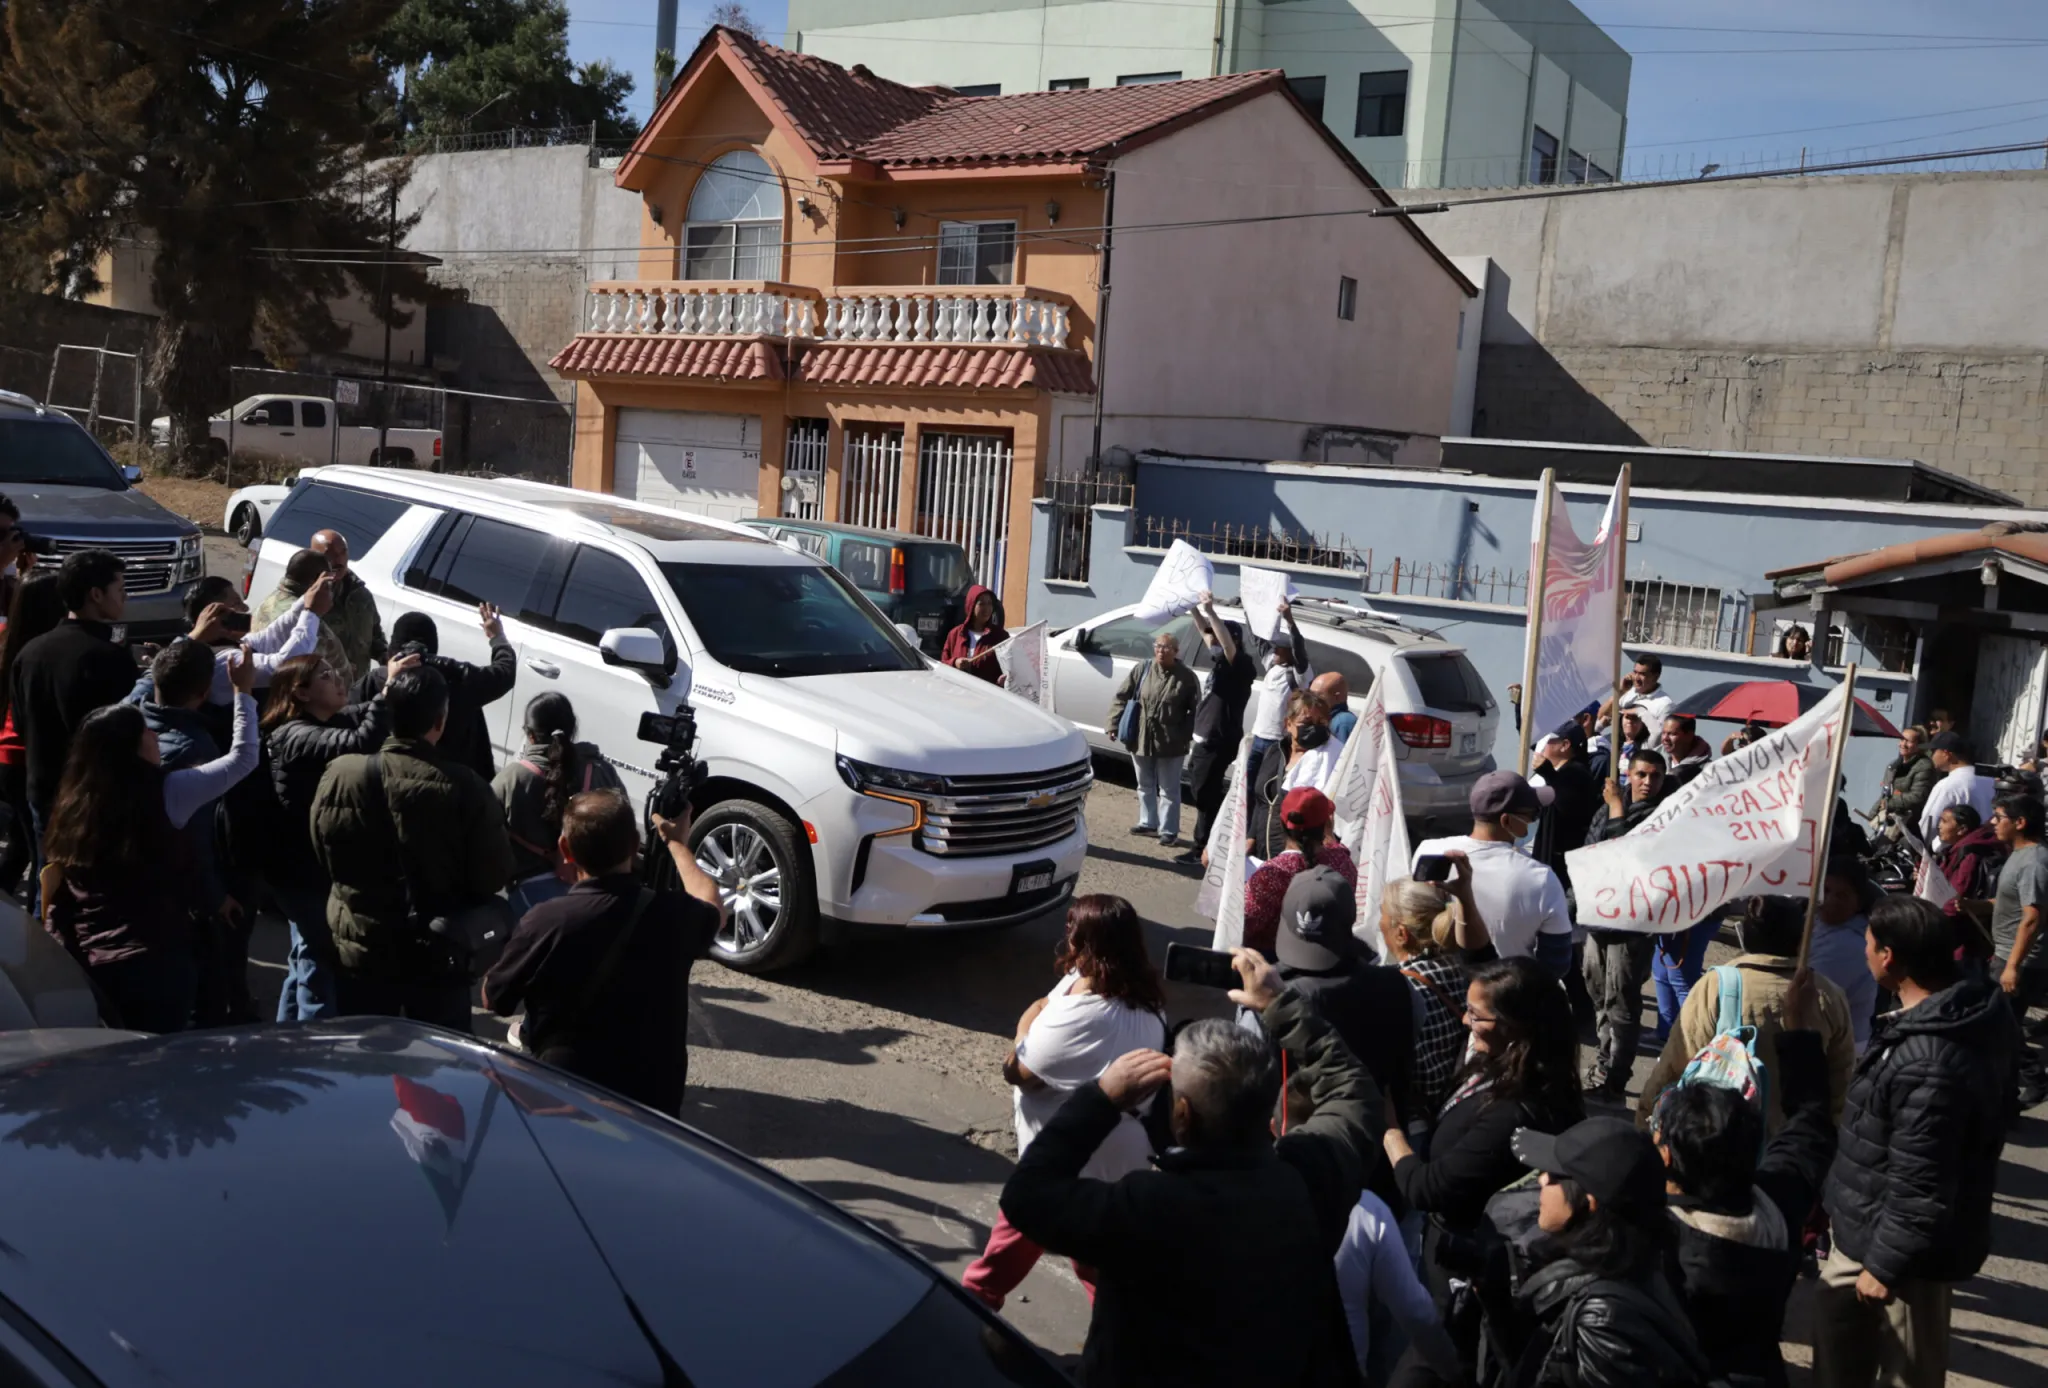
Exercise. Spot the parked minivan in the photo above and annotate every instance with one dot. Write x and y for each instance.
(1443, 715)
(852, 782)
(915, 581)
(74, 496)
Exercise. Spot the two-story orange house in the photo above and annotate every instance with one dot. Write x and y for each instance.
(867, 302)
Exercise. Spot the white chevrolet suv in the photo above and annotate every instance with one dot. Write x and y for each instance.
(852, 782)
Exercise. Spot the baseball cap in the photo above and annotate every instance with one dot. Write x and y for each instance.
(1608, 1158)
(1316, 917)
(1503, 792)
(1952, 742)
(1305, 807)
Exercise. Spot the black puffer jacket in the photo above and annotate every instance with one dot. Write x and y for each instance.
(1910, 1190)
(300, 752)
(1606, 1332)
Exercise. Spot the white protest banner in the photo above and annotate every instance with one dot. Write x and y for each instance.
(1576, 638)
(1366, 790)
(1260, 592)
(1221, 895)
(1022, 659)
(1745, 826)
(1930, 883)
(1184, 575)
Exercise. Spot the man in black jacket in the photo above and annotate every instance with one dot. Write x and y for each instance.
(1739, 1217)
(1219, 720)
(1910, 1191)
(1369, 1007)
(467, 740)
(69, 671)
(1617, 962)
(1218, 1266)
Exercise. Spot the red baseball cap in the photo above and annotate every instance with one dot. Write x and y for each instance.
(1305, 807)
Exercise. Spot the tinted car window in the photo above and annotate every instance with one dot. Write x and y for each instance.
(866, 563)
(1449, 682)
(787, 621)
(54, 450)
(360, 517)
(939, 569)
(312, 414)
(603, 592)
(495, 563)
(1131, 639)
(1353, 667)
(809, 541)
(277, 413)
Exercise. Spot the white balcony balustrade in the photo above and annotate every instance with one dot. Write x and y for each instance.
(940, 317)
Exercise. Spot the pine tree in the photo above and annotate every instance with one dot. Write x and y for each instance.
(476, 66)
(237, 138)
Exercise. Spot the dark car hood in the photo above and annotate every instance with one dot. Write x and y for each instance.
(54, 509)
(346, 1204)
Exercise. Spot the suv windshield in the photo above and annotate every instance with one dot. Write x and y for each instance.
(786, 620)
(54, 451)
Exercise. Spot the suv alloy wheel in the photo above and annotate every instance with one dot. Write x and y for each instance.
(763, 869)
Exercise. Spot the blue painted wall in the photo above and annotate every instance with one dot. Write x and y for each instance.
(1448, 519)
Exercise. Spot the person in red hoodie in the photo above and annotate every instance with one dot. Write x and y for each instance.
(971, 645)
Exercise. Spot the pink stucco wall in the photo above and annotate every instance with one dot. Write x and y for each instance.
(1227, 339)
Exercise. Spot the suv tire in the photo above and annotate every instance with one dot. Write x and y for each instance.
(764, 872)
(247, 527)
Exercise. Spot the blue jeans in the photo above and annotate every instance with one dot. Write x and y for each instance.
(1159, 794)
(1554, 952)
(532, 891)
(1680, 960)
(308, 992)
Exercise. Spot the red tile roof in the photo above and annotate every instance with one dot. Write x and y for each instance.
(710, 359)
(968, 368)
(849, 113)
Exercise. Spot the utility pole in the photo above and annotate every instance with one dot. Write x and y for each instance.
(664, 42)
(384, 293)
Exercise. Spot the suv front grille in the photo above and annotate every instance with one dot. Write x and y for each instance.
(151, 563)
(986, 816)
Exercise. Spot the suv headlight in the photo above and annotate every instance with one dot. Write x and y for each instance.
(866, 778)
(191, 559)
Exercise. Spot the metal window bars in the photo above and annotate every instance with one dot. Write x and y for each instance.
(1070, 522)
(1454, 580)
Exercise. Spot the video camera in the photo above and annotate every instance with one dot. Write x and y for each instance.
(681, 775)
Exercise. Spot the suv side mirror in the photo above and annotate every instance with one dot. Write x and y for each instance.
(636, 648)
(131, 474)
(1084, 640)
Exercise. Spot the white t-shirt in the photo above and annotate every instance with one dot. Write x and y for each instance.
(1960, 786)
(1520, 897)
(1071, 1043)
(1280, 681)
(1654, 707)
(1316, 767)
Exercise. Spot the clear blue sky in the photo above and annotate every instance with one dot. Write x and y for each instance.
(1957, 79)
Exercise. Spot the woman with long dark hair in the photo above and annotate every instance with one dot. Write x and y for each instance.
(308, 723)
(120, 889)
(1107, 1003)
(535, 788)
(37, 608)
(1521, 1071)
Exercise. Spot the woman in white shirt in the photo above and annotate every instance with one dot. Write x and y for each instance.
(1109, 1001)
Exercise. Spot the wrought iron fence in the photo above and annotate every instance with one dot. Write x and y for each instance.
(1396, 576)
(1071, 520)
(1458, 582)
(1692, 616)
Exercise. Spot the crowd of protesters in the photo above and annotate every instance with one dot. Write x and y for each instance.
(1401, 1144)
(293, 755)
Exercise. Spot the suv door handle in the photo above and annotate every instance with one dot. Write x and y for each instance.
(542, 667)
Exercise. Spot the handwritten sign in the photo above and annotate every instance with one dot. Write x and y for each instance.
(1022, 659)
(1745, 826)
(1183, 577)
(1260, 592)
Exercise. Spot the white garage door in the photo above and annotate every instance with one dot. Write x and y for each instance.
(706, 464)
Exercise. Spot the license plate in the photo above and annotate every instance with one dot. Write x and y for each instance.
(927, 625)
(1468, 742)
(1030, 877)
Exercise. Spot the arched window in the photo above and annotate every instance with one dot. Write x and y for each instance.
(733, 229)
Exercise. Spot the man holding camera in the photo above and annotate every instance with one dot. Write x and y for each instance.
(467, 741)
(417, 837)
(604, 972)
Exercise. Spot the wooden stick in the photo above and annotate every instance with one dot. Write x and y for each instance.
(1824, 829)
(1615, 769)
(1542, 556)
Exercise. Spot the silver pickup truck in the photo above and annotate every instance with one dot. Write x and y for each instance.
(73, 496)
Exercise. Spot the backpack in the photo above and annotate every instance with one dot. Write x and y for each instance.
(1729, 1061)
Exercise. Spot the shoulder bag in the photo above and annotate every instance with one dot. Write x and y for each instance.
(1133, 718)
(466, 940)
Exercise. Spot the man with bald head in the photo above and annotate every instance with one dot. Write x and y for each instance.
(1335, 693)
(354, 617)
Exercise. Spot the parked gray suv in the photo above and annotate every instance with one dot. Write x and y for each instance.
(74, 496)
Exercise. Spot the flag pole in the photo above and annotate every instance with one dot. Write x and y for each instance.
(1620, 538)
(1537, 575)
(1823, 830)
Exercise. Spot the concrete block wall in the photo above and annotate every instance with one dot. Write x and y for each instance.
(1901, 316)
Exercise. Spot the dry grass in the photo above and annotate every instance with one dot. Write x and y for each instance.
(198, 499)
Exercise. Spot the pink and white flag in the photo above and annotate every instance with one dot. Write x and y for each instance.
(1576, 638)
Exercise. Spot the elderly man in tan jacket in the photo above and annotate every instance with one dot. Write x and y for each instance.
(1769, 934)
